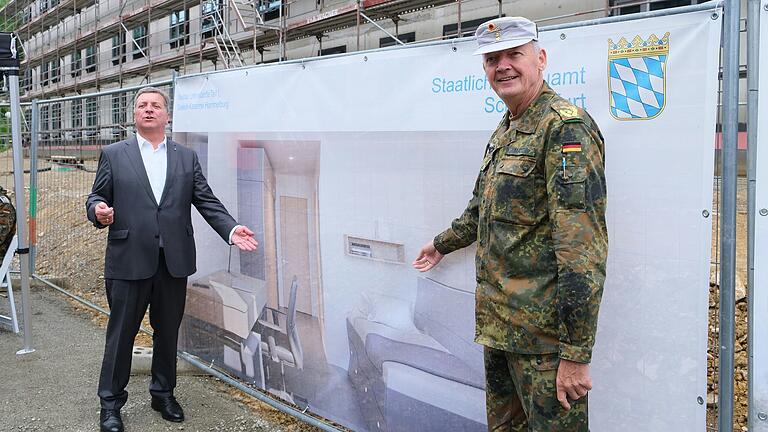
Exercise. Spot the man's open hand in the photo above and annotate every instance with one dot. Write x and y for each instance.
(243, 239)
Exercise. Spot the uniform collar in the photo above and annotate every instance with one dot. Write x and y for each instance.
(529, 119)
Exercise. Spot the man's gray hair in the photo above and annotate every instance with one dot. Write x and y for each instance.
(151, 90)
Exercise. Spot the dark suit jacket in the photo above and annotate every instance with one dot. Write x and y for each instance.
(134, 236)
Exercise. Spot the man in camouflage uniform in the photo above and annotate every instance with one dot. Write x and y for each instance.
(7, 222)
(538, 215)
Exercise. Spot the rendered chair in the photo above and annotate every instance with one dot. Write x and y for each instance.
(5, 282)
(282, 326)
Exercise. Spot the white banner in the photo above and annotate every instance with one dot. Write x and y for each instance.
(346, 166)
(759, 360)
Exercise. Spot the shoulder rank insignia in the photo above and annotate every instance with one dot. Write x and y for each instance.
(566, 111)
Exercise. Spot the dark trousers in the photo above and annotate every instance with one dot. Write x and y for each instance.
(128, 300)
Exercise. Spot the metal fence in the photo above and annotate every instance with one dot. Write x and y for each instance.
(72, 132)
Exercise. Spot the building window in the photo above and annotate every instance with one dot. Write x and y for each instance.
(90, 59)
(43, 5)
(210, 18)
(77, 113)
(139, 41)
(55, 70)
(405, 38)
(45, 115)
(77, 63)
(53, 3)
(27, 83)
(118, 108)
(56, 116)
(91, 112)
(670, 4)
(44, 73)
(632, 6)
(56, 120)
(335, 50)
(269, 9)
(118, 48)
(450, 31)
(179, 30)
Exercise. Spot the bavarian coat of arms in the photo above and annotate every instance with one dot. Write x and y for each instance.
(637, 77)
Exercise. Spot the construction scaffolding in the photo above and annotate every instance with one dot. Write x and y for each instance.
(76, 46)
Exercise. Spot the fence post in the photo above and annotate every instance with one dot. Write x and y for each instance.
(34, 142)
(21, 220)
(753, 69)
(728, 212)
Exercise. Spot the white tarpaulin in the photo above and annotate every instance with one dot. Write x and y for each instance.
(759, 342)
(346, 166)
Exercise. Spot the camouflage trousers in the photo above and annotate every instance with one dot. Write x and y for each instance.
(521, 395)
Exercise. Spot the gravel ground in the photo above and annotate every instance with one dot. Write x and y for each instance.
(54, 388)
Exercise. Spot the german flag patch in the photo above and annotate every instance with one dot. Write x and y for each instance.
(571, 147)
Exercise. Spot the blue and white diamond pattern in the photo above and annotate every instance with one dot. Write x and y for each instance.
(637, 86)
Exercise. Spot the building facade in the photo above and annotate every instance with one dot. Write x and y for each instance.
(80, 47)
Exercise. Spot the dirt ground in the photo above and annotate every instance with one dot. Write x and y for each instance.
(70, 249)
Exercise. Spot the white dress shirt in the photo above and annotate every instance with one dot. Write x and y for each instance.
(156, 165)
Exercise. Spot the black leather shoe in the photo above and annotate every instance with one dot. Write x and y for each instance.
(168, 408)
(110, 420)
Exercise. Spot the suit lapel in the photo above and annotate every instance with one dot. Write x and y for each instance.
(173, 161)
(134, 156)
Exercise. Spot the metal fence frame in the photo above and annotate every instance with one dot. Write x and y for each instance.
(726, 249)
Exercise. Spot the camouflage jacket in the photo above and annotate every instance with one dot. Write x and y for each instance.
(538, 215)
(7, 222)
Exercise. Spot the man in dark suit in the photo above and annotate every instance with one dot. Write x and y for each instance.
(144, 191)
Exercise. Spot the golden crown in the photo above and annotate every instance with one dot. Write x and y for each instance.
(639, 47)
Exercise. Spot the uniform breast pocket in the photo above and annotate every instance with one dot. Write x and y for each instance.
(571, 189)
(515, 190)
